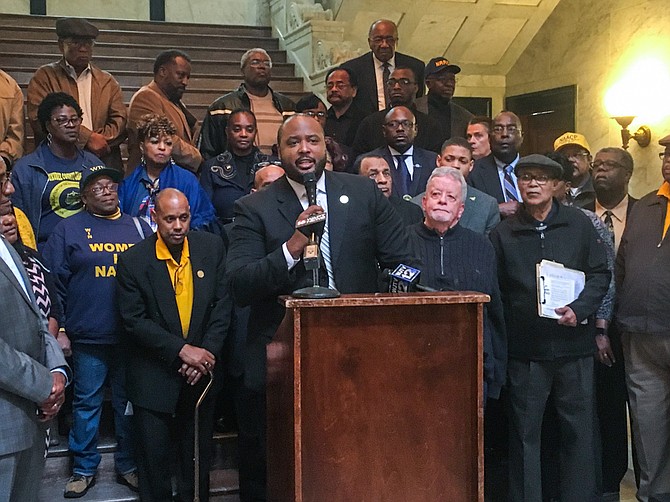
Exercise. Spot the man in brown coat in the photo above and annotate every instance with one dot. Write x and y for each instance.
(104, 120)
(172, 71)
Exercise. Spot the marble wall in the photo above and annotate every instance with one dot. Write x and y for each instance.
(242, 12)
(596, 44)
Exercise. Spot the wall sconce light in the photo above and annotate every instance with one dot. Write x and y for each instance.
(642, 135)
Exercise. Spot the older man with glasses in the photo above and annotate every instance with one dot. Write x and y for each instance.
(550, 356)
(255, 94)
(98, 94)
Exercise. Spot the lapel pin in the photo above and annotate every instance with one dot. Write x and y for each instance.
(344, 199)
(200, 274)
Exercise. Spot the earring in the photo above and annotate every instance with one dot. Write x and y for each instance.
(143, 162)
(49, 138)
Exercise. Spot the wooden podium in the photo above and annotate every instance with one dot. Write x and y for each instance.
(377, 398)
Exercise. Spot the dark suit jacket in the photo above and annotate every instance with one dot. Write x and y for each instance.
(424, 163)
(481, 213)
(28, 353)
(484, 177)
(408, 211)
(363, 66)
(370, 134)
(363, 229)
(151, 320)
(459, 117)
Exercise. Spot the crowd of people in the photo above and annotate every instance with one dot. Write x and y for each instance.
(155, 278)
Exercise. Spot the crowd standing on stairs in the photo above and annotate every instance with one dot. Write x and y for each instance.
(156, 283)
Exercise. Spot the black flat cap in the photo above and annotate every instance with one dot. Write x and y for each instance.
(554, 169)
(75, 27)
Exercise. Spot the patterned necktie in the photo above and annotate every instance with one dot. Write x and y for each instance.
(386, 73)
(510, 189)
(609, 223)
(401, 168)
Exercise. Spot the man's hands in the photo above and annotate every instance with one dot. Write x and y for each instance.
(97, 144)
(568, 317)
(605, 354)
(196, 362)
(508, 208)
(296, 244)
(51, 406)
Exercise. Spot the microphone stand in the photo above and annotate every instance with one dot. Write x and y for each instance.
(311, 257)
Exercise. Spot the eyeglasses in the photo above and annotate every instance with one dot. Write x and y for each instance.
(511, 129)
(525, 179)
(100, 189)
(315, 114)
(394, 124)
(606, 165)
(80, 42)
(337, 85)
(258, 63)
(664, 155)
(577, 155)
(63, 121)
(378, 40)
(404, 82)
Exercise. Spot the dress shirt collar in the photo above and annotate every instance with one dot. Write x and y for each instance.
(619, 211)
(299, 188)
(501, 165)
(380, 64)
(408, 153)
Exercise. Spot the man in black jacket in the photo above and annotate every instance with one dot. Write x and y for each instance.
(549, 356)
(255, 94)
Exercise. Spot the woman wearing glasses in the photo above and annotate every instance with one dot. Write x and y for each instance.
(46, 182)
(82, 252)
(158, 171)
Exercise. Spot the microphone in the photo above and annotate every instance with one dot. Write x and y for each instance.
(309, 180)
(405, 279)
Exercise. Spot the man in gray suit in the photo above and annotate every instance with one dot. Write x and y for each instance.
(33, 375)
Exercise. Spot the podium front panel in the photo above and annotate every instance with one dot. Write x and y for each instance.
(385, 404)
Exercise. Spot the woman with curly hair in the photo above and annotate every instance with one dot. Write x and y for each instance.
(158, 171)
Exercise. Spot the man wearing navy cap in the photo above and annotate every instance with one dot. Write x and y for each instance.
(441, 82)
(549, 356)
(103, 126)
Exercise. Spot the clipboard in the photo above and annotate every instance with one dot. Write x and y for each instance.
(557, 286)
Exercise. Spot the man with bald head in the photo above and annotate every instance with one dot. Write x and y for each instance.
(410, 165)
(266, 175)
(175, 310)
(265, 260)
(494, 174)
(374, 68)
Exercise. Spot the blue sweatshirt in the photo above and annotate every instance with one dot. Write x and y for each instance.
(82, 252)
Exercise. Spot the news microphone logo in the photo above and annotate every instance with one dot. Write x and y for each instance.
(403, 279)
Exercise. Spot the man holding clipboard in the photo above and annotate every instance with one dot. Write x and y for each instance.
(549, 356)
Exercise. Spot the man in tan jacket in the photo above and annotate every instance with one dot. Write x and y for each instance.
(11, 119)
(172, 71)
(99, 95)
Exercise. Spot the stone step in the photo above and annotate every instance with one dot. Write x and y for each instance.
(150, 26)
(224, 484)
(163, 38)
(114, 63)
(231, 53)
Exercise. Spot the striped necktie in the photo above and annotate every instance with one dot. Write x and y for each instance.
(510, 189)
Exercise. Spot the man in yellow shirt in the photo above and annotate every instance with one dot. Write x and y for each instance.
(176, 311)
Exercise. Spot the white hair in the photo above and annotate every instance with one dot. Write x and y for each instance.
(454, 174)
(247, 55)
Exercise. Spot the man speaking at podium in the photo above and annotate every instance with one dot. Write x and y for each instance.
(265, 261)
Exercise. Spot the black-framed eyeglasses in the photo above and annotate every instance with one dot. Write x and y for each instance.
(63, 121)
(404, 82)
(664, 155)
(319, 115)
(389, 40)
(605, 165)
(540, 179)
(100, 189)
(80, 42)
(511, 129)
(394, 124)
(257, 63)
